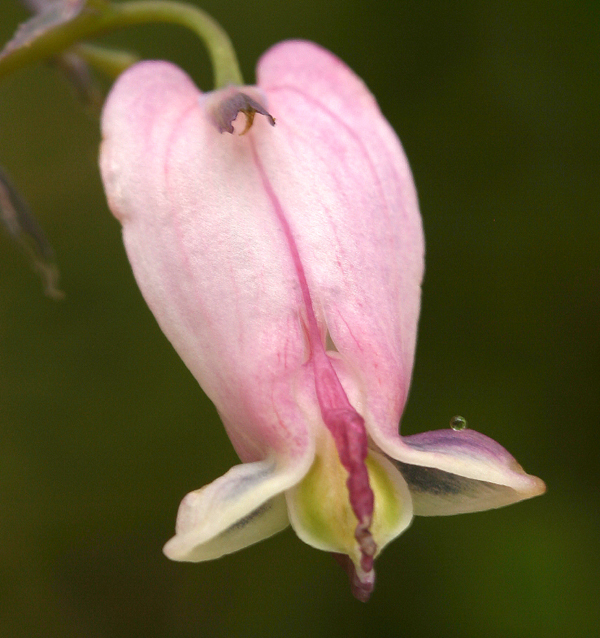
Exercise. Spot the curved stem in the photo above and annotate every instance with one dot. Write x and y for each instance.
(99, 17)
(110, 62)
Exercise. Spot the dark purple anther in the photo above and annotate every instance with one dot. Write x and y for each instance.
(225, 111)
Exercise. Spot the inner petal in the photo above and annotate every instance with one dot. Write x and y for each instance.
(321, 513)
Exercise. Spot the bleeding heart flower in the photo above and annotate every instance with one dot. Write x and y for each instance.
(285, 266)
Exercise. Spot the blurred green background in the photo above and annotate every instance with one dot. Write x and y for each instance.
(103, 430)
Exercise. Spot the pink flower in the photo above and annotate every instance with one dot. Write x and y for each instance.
(285, 266)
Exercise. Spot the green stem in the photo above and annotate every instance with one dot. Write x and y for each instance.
(110, 62)
(100, 17)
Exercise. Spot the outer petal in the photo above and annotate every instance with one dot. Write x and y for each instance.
(480, 474)
(208, 256)
(231, 513)
(358, 226)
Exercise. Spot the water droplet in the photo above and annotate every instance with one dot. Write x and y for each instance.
(458, 423)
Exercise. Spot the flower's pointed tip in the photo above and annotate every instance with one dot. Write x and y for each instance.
(526, 485)
(362, 583)
(538, 487)
(170, 551)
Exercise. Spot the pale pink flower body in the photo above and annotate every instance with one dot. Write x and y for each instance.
(285, 267)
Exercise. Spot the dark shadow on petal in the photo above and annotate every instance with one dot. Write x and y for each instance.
(439, 493)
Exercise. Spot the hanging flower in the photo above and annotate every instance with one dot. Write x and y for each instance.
(285, 265)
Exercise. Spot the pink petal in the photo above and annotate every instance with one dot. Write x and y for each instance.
(358, 232)
(358, 227)
(209, 259)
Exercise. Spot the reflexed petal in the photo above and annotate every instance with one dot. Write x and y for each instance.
(454, 472)
(267, 520)
(238, 509)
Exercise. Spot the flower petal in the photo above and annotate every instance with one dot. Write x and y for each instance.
(478, 473)
(207, 252)
(356, 222)
(236, 510)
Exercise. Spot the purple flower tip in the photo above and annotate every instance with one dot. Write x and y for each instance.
(230, 103)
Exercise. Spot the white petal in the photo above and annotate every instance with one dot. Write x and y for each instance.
(238, 509)
(450, 472)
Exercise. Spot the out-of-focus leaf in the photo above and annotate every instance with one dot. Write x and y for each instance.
(35, 6)
(48, 16)
(77, 62)
(81, 78)
(25, 230)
